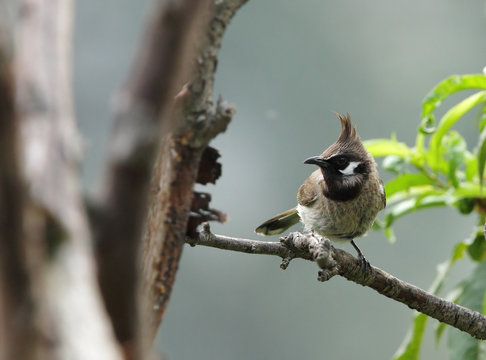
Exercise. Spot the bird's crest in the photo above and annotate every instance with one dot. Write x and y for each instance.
(348, 140)
(348, 131)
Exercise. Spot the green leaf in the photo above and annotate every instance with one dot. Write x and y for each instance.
(410, 348)
(481, 155)
(413, 192)
(462, 345)
(439, 331)
(447, 121)
(390, 234)
(445, 88)
(477, 248)
(394, 164)
(465, 205)
(468, 190)
(420, 145)
(484, 306)
(388, 231)
(471, 166)
(419, 197)
(482, 118)
(405, 181)
(385, 147)
(454, 152)
(408, 206)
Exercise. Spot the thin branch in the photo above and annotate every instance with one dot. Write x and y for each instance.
(334, 261)
(199, 109)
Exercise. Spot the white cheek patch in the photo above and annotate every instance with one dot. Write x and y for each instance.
(350, 168)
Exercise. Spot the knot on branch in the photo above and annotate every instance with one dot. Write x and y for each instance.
(297, 243)
(322, 252)
(204, 235)
(298, 246)
(204, 122)
(312, 247)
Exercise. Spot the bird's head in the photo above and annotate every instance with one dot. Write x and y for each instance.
(345, 165)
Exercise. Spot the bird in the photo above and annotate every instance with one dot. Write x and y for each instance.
(341, 199)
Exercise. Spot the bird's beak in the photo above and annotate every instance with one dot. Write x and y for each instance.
(316, 160)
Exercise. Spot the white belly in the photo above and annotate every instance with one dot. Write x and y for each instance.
(314, 219)
(338, 221)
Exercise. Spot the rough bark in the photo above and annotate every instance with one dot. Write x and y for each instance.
(334, 261)
(146, 125)
(177, 169)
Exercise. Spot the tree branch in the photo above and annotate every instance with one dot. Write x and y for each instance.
(178, 165)
(147, 128)
(332, 261)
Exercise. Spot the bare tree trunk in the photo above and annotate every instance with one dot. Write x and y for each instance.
(68, 308)
(18, 335)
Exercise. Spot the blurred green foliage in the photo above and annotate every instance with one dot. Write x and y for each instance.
(440, 170)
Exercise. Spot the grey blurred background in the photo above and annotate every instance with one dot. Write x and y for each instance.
(286, 65)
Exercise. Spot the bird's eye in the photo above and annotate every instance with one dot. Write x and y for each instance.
(341, 161)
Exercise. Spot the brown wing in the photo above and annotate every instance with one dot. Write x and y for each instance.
(279, 223)
(307, 193)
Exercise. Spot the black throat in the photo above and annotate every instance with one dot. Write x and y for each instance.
(342, 188)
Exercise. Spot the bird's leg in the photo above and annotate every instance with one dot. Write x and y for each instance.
(364, 262)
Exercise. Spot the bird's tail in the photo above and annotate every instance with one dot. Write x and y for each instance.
(279, 223)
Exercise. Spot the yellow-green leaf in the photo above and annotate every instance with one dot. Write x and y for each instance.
(405, 182)
(385, 147)
(447, 121)
(445, 88)
(481, 155)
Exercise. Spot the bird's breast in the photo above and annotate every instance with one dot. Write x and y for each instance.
(343, 220)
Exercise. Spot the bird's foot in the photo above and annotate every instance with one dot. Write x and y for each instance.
(364, 264)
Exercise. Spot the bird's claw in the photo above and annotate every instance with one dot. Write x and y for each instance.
(364, 264)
